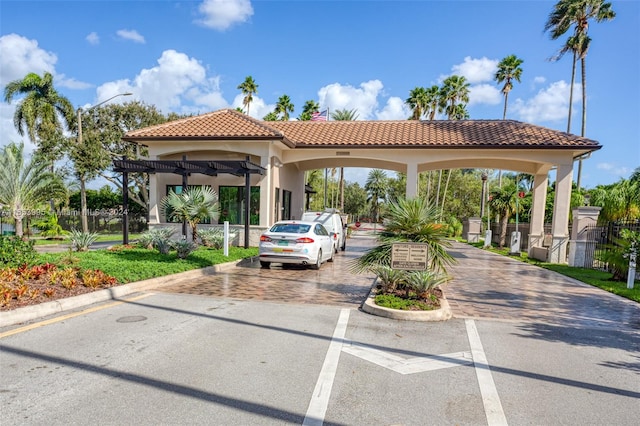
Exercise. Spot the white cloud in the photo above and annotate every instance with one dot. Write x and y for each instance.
(539, 80)
(484, 94)
(132, 35)
(222, 14)
(93, 38)
(549, 104)
(21, 56)
(395, 109)
(178, 83)
(364, 99)
(476, 70)
(614, 169)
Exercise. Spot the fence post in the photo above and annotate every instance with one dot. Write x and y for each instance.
(631, 276)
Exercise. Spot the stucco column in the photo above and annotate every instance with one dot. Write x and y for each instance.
(561, 205)
(412, 181)
(266, 191)
(583, 218)
(536, 230)
(154, 215)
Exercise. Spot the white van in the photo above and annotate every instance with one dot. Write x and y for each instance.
(331, 220)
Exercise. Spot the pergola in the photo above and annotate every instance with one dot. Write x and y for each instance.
(184, 168)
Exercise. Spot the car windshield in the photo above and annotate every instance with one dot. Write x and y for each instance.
(291, 228)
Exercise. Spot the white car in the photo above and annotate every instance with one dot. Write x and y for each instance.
(297, 242)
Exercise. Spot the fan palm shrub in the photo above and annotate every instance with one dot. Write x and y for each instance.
(194, 205)
(409, 220)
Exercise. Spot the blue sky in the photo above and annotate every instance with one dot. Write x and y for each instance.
(190, 56)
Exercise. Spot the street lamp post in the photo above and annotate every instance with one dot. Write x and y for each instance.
(83, 191)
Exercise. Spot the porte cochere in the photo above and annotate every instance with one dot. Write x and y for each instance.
(262, 163)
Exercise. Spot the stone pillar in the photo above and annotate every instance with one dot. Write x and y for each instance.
(560, 224)
(412, 181)
(474, 229)
(536, 231)
(583, 217)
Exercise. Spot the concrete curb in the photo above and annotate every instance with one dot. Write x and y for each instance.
(442, 314)
(29, 313)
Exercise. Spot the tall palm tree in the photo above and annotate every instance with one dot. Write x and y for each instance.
(309, 108)
(343, 115)
(284, 107)
(376, 186)
(25, 183)
(454, 91)
(577, 14)
(248, 88)
(418, 102)
(43, 113)
(508, 70)
(192, 206)
(432, 95)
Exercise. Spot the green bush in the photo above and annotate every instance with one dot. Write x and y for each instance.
(183, 248)
(15, 252)
(212, 237)
(394, 302)
(80, 241)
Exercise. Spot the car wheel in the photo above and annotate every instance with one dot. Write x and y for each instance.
(333, 256)
(318, 263)
(265, 265)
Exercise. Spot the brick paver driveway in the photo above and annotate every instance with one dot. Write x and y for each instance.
(487, 285)
(484, 285)
(333, 284)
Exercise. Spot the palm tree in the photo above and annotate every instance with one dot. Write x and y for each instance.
(24, 184)
(409, 220)
(418, 102)
(503, 201)
(508, 70)
(376, 186)
(309, 108)
(454, 91)
(577, 13)
(248, 88)
(343, 115)
(193, 206)
(271, 116)
(42, 113)
(284, 107)
(432, 95)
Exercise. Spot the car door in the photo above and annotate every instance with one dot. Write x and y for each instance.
(326, 244)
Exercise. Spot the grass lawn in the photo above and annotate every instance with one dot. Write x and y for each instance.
(137, 264)
(594, 277)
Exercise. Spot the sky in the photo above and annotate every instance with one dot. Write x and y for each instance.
(189, 57)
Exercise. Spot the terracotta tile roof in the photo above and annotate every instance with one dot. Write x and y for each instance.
(231, 124)
(222, 124)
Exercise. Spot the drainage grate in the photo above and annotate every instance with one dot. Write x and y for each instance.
(134, 318)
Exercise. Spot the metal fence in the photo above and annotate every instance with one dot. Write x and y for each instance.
(604, 238)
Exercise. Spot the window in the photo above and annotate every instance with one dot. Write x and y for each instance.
(232, 205)
(276, 203)
(286, 204)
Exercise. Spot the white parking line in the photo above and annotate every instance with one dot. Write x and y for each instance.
(490, 398)
(320, 398)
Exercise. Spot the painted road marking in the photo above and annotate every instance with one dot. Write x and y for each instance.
(320, 398)
(407, 365)
(490, 398)
(67, 316)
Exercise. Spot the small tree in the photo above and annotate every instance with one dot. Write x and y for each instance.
(193, 206)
